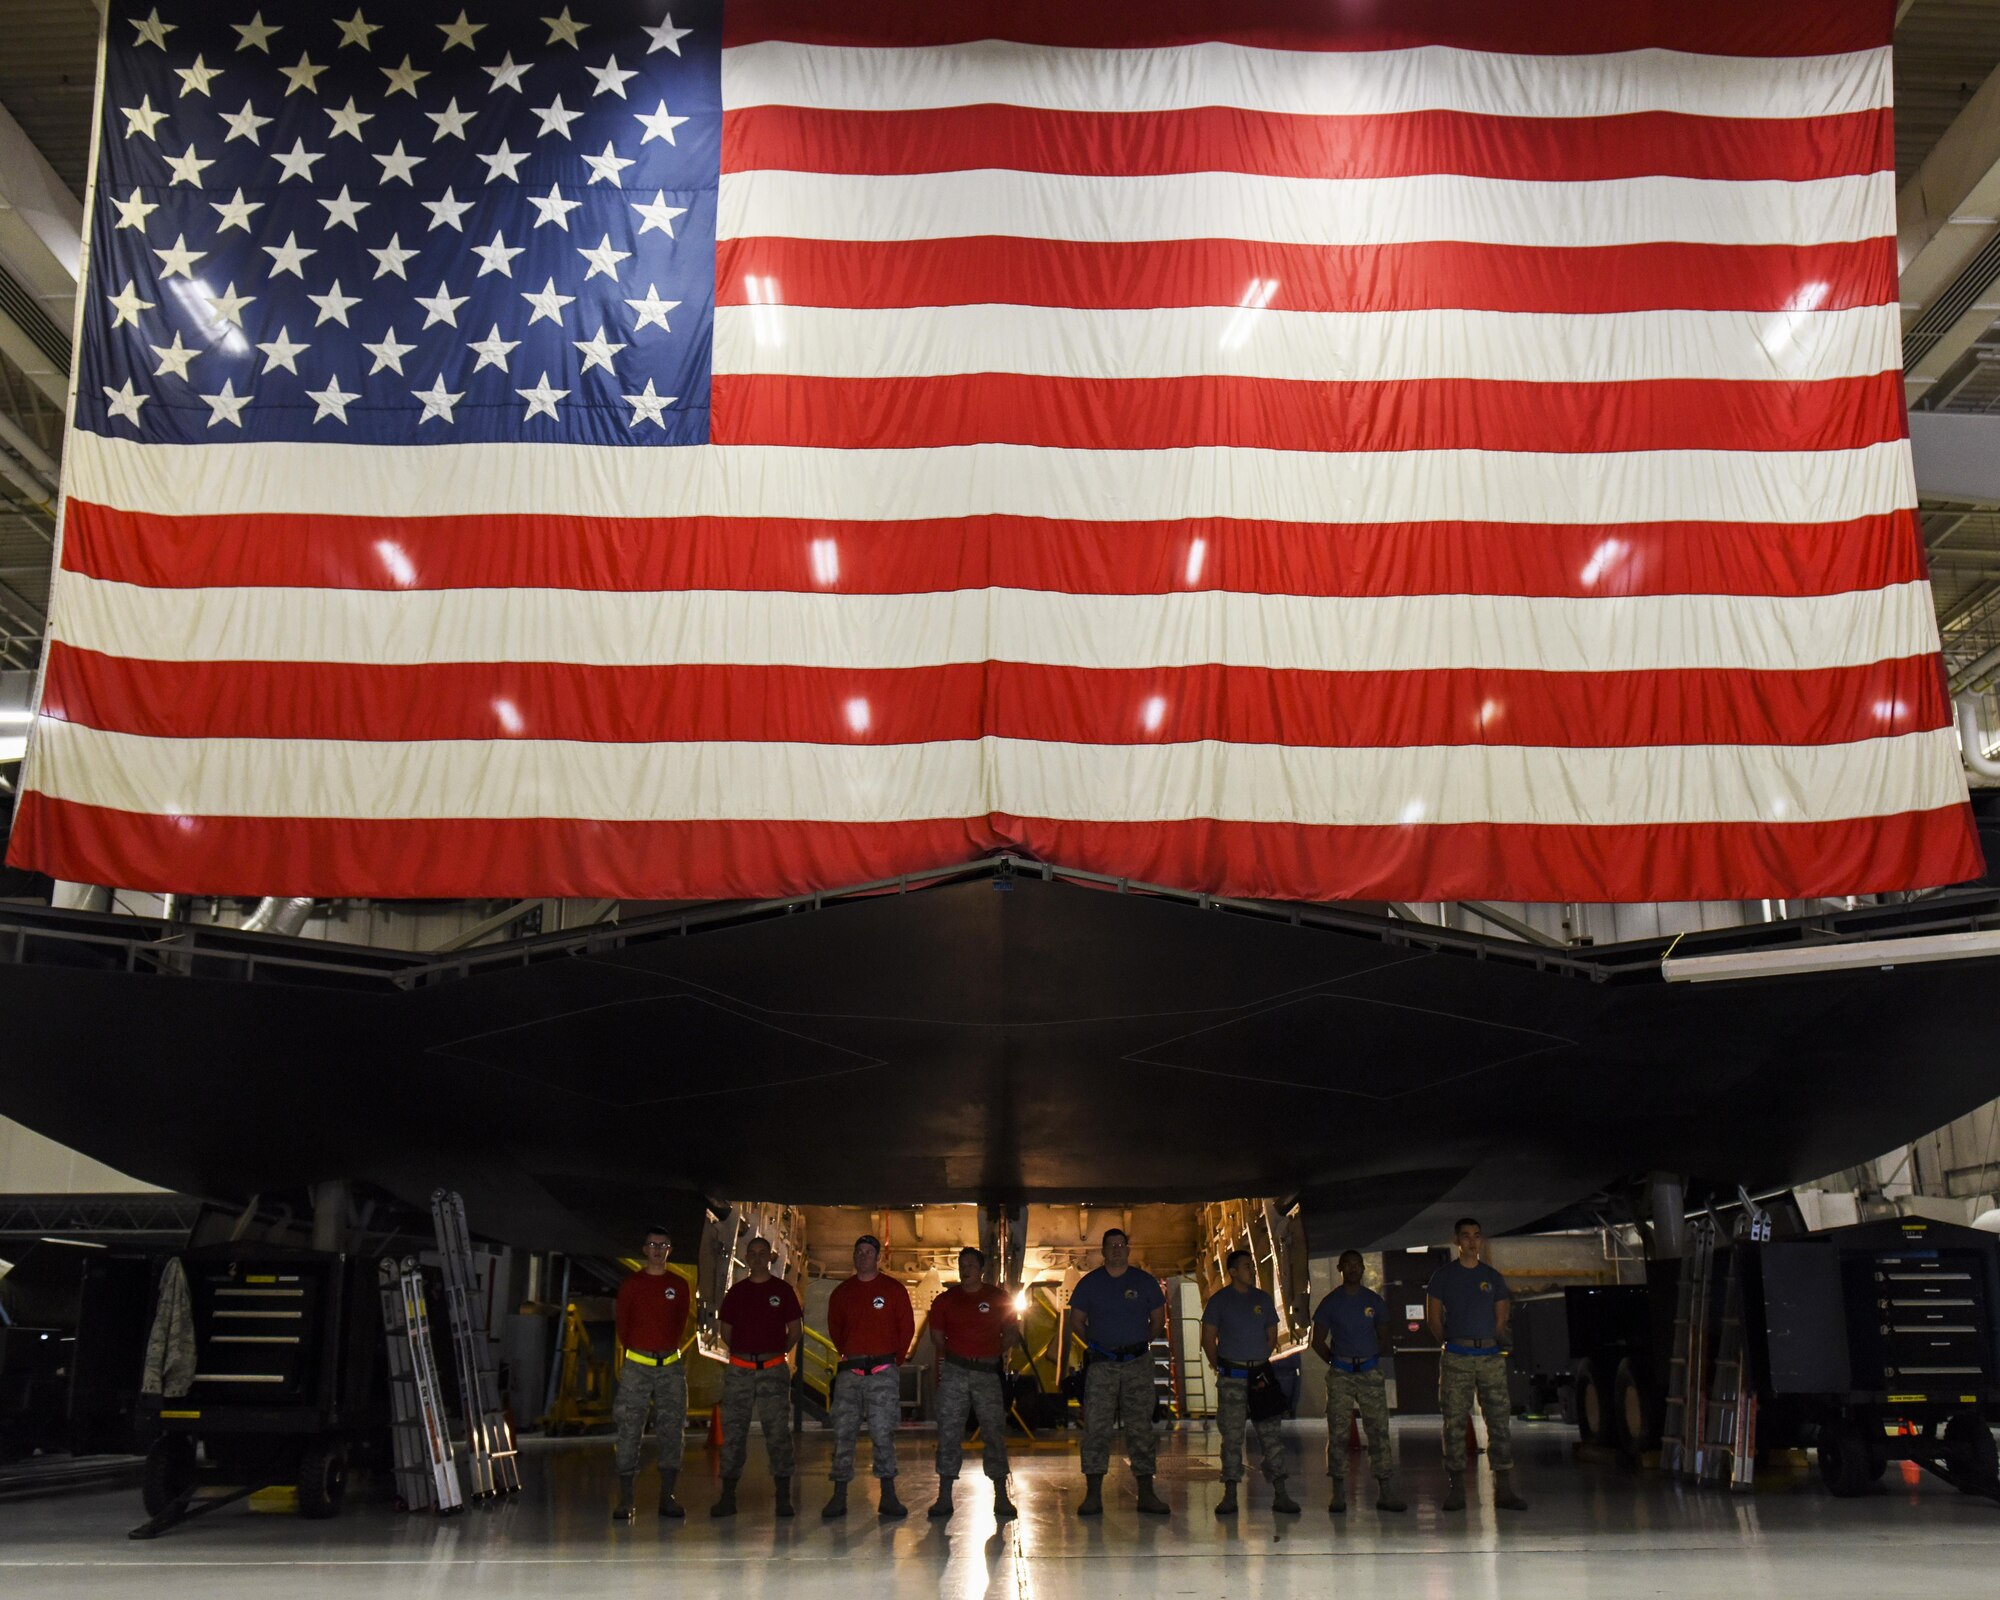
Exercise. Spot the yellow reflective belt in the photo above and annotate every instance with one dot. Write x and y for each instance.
(652, 1361)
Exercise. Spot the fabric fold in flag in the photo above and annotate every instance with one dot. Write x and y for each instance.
(1432, 451)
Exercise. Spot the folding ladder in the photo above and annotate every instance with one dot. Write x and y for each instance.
(489, 1437)
(1729, 1455)
(1687, 1357)
(426, 1474)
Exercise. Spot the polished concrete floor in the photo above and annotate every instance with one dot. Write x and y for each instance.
(1593, 1529)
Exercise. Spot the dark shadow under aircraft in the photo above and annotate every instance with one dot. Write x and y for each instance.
(997, 1033)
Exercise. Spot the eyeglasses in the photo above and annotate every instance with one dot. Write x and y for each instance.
(656, 1244)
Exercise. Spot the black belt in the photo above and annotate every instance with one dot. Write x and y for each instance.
(974, 1364)
(866, 1366)
(1123, 1352)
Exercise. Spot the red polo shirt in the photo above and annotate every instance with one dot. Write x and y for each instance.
(653, 1311)
(756, 1314)
(872, 1318)
(973, 1323)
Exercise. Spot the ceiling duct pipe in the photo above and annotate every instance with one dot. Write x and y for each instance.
(39, 460)
(1972, 739)
(277, 915)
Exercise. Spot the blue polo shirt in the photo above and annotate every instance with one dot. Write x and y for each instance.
(1121, 1308)
(1352, 1323)
(1241, 1319)
(1471, 1298)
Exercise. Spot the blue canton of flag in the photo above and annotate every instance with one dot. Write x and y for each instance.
(427, 224)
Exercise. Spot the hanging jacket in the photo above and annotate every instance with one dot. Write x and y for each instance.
(170, 1346)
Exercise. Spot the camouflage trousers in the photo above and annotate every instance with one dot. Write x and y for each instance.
(1347, 1393)
(878, 1398)
(1232, 1415)
(1461, 1380)
(961, 1390)
(766, 1396)
(1112, 1389)
(664, 1392)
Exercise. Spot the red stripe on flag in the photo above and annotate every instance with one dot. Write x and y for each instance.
(1284, 414)
(923, 557)
(1008, 700)
(1426, 276)
(1284, 145)
(1544, 27)
(455, 857)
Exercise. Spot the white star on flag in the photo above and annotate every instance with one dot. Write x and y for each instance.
(177, 257)
(506, 75)
(541, 400)
(303, 76)
(134, 212)
(547, 304)
(451, 121)
(125, 401)
(552, 207)
(229, 304)
(332, 401)
(657, 213)
(442, 306)
(503, 162)
(403, 79)
(282, 352)
(390, 257)
(437, 403)
(288, 257)
(333, 307)
(187, 167)
(128, 305)
(254, 34)
(227, 406)
(244, 124)
(611, 78)
(355, 30)
(343, 210)
(388, 352)
(445, 213)
(196, 79)
(652, 310)
(659, 123)
(497, 256)
(142, 119)
(153, 30)
(562, 29)
(647, 405)
(397, 165)
(603, 258)
(597, 351)
(298, 161)
(666, 36)
(606, 167)
(233, 212)
(348, 119)
(174, 357)
(459, 32)
(493, 350)
(555, 118)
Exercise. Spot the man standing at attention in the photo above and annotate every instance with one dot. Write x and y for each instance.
(1239, 1330)
(653, 1307)
(871, 1324)
(759, 1322)
(972, 1325)
(1118, 1311)
(1467, 1305)
(1350, 1333)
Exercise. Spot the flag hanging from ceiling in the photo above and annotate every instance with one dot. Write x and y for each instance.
(1415, 449)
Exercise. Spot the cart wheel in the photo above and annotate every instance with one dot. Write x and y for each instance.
(1634, 1411)
(1843, 1458)
(1969, 1452)
(322, 1480)
(1596, 1413)
(170, 1472)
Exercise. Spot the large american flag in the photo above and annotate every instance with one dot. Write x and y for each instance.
(1414, 449)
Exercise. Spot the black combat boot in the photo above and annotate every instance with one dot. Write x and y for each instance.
(726, 1506)
(1226, 1506)
(1504, 1497)
(1093, 1496)
(943, 1507)
(889, 1505)
(1337, 1506)
(1003, 1508)
(1149, 1502)
(1281, 1502)
(837, 1506)
(669, 1506)
(1454, 1492)
(622, 1511)
(783, 1487)
(1386, 1498)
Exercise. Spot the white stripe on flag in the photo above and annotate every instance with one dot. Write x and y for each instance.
(1373, 347)
(392, 780)
(1303, 82)
(1302, 211)
(1409, 633)
(992, 479)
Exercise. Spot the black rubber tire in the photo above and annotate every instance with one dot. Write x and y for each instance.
(170, 1472)
(1636, 1411)
(1878, 1467)
(1969, 1451)
(1844, 1459)
(322, 1480)
(1596, 1414)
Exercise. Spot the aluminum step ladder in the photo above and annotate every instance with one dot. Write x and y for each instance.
(426, 1472)
(1729, 1428)
(1687, 1358)
(492, 1461)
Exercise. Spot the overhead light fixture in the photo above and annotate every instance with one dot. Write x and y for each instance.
(1795, 960)
(76, 1244)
